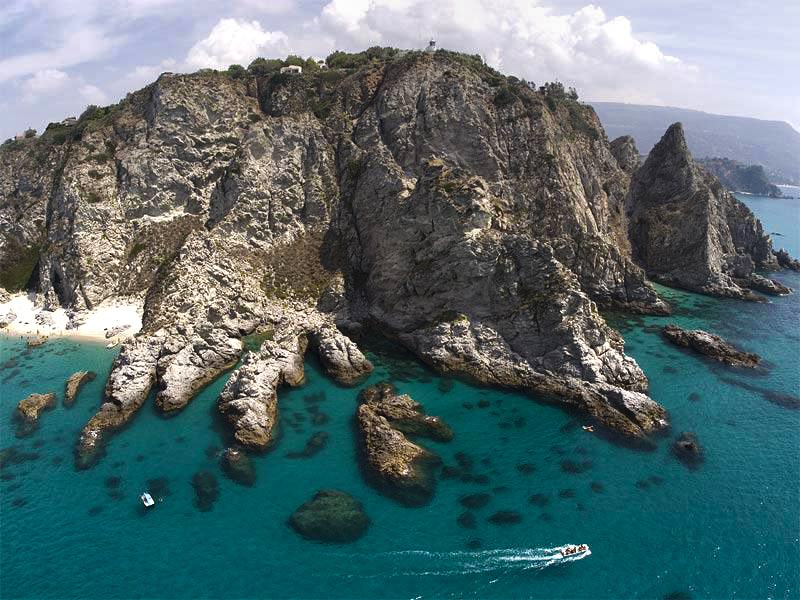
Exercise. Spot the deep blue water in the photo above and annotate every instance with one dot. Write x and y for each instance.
(729, 529)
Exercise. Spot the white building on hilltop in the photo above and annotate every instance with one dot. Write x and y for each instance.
(431, 46)
(292, 69)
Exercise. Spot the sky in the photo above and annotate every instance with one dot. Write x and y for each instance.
(739, 58)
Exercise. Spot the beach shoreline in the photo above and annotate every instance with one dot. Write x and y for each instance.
(110, 322)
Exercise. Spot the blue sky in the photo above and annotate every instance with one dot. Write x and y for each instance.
(739, 58)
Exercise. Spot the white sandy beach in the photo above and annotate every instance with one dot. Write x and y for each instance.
(25, 318)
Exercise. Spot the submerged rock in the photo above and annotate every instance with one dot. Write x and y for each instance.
(473, 501)
(28, 411)
(206, 490)
(687, 450)
(238, 466)
(73, 385)
(330, 516)
(314, 445)
(505, 517)
(710, 345)
(397, 466)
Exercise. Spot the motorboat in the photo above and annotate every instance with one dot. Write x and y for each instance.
(589, 428)
(147, 500)
(580, 550)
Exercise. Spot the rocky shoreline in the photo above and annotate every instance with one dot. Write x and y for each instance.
(710, 345)
(402, 196)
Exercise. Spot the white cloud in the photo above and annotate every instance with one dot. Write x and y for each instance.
(79, 46)
(236, 41)
(47, 84)
(601, 56)
(93, 94)
(44, 82)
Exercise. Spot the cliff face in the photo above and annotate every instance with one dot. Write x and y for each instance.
(687, 230)
(473, 219)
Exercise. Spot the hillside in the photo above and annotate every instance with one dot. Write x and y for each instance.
(773, 144)
(741, 178)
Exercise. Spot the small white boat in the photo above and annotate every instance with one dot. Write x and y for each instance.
(579, 550)
(111, 344)
(147, 500)
(589, 428)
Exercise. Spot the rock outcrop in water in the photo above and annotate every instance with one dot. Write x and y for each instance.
(29, 409)
(394, 464)
(473, 219)
(710, 345)
(686, 230)
(74, 384)
(330, 516)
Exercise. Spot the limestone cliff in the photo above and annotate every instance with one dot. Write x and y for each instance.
(468, 216)
(688, 231)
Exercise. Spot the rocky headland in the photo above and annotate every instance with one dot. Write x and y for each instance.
(475, 219)
(710, 345)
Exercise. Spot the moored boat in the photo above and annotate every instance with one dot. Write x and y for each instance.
(147, 500)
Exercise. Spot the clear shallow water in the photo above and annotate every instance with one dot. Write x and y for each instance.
(729, 529)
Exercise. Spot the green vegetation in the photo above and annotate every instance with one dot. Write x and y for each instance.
(15, 276)
(296, 271)
(237, 72)
(504, 96)
(354, 166)
(253, 341)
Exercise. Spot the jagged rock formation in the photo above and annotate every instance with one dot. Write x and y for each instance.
(249, 400)
(626, 153)
(475, 220)
(404, 414)
(342, 359)
(710, 345)
(74, 384)
(28, 411)
(395, 465)
(688, 231)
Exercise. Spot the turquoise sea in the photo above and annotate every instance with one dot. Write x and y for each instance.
(729, 529)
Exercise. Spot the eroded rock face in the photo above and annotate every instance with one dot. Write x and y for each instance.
(686, 230)
(340, 357)
(330, 516)
(132, 376)
(405, 414)
(481, 232)
(710, 345)
(249, 400)
(29, 409)
(396, 466)
(73, 385)
(786, 261)
(626, 153)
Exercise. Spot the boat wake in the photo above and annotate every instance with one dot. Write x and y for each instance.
(425, 563)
